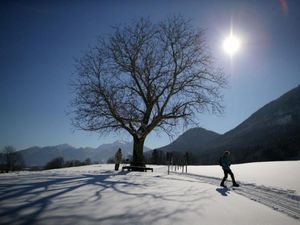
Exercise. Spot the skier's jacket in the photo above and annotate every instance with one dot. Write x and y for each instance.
(225, 162)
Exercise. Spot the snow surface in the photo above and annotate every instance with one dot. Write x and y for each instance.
(98, 195)
(283, 174)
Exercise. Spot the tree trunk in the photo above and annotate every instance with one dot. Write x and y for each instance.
(138, 152)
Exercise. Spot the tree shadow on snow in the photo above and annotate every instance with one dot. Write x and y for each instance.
(39, 198)
(23, 203)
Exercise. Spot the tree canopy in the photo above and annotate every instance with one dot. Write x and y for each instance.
(146, 76)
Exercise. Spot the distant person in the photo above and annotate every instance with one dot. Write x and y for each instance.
(118, 159)
(225, 162)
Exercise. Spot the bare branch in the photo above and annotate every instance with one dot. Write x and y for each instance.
(146, 76)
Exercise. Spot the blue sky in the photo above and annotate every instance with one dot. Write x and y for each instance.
(40, 40)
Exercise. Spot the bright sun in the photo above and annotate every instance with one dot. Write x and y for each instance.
(231, 44)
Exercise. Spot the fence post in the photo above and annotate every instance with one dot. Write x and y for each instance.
(186, 157)
(170, 160)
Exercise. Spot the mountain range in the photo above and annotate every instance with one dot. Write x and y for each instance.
(40, 156)
(271, 133)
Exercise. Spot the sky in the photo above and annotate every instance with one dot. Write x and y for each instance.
(40, 41)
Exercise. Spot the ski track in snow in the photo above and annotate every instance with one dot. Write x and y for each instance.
(284, 201)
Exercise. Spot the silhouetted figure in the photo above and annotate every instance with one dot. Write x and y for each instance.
(225, 162)
(118, 159)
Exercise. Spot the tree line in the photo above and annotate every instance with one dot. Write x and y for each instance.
(10, 160)
(59, 162)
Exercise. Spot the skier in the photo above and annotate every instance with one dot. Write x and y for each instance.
(118, 159)
(225, 163)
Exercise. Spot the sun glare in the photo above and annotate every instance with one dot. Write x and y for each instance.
(231, 44)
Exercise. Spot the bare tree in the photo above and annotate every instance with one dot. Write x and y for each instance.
(10, 159)
(146, 77)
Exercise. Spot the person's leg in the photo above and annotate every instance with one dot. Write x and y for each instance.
(232, 178)
(116, 166)
(224, 178)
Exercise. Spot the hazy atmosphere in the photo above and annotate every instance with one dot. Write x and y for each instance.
(40, 41)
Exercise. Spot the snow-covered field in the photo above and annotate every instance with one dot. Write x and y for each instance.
(271, 174)
(98, 195)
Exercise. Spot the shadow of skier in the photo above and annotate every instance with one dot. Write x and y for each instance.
(223, 191)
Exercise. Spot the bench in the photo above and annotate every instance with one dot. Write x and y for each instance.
(137, 168)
